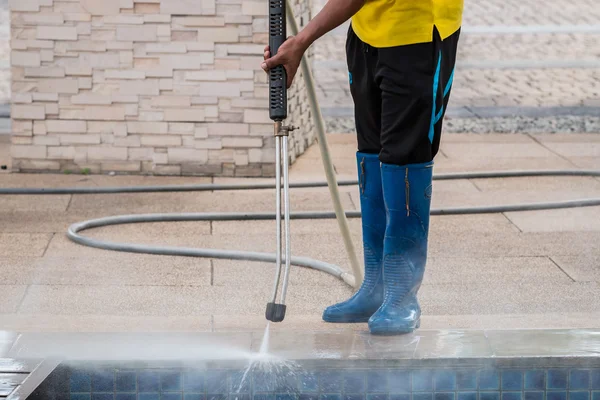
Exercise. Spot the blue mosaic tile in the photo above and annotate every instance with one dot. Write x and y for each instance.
(444, 396)
(103, 381)
(286, 383)
(308, 382)
(331, 397)
(512, 380)
(489, 380)
(171, 396)
(240, 382)
(489, 396)
(512, 396)
(556, 395)
(399, 381)
(579, 379)
(535, 379)
(422, 381)
(354, 382)
(126, 382)
(200, 396)
(80, 396)
(287, 397)
(404, 396)
(236, 396)
(596, 379)
(103, 396)
(467, 395)
(557, 379)
(422, 396)
(331, 381)
(377, 397)
(595, 395)
(271, 397)
(303, 396)
(148, 381)
(219, 397)
(126, 396)
(171, 381)
(263, 382)
(579, 395)
(193, 381)
(354, 396)
(81, 382)
(533, 396)
(445, 380)
(148, 396)
(466, 380)
(377, 381)
(216, 382)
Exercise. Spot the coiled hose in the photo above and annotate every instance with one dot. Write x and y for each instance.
(74, 230)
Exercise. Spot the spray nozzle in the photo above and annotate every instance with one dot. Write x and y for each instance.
(275, 312)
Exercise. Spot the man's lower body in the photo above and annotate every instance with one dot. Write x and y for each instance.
(400, 96)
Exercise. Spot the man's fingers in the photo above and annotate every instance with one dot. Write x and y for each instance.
(267, 54)
(271, 62)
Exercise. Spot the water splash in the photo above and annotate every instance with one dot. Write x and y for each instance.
(273, 372)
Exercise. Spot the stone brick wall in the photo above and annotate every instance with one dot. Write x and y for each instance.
(151, 86)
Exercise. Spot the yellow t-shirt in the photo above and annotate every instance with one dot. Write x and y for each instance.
(388, 23)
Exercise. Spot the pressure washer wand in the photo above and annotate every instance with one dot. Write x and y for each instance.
(278, 112)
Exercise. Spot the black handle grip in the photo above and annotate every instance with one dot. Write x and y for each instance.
(277, 75)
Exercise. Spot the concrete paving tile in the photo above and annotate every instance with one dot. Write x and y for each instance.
(39, 221)
(570, 219)
(103, 323)
(509, 298)
(24, 244)
(538, 343)
(177, 347)
(474, 223)
(292, 322)
(322, 344)
(582, 268)
(565, 137)
(35, 203)
(540, 184)
(170, 301)
(484, 138)
(464, 164)
(27, 180)
(480, 270)
(137, 180)
(501, 244)
(486, 150)
(336, 150)
(574, 150)
(267, 228)
(300, 200)
(11, 296)
(112, 269)
(240, 274)
(565, 320)
(586, 162)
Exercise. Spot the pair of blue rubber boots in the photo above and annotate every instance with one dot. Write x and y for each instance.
(395, 206)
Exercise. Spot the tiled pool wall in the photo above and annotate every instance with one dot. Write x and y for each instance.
(483, 382)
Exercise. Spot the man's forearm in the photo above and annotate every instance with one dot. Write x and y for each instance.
(333, 14)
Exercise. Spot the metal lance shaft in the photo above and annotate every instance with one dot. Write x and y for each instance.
(278, 112)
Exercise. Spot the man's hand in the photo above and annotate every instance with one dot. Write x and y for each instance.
(289, 55)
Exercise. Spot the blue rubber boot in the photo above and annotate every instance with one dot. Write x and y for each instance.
(369, 297)
(407, 195)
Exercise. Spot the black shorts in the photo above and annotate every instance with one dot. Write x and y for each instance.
(400, 96)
